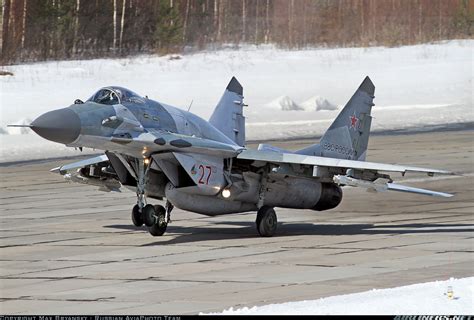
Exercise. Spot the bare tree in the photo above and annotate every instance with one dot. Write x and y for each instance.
(76, 25)
(5, 29)
(267, 21)
(220, 21)
(23, 27)
(185, 23)
(114, 42)
(291, 6)
(216, 14)
(122, 24)
(256, 21)
(244, 20)
(420, 10)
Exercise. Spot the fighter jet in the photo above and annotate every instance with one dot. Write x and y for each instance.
(168, 154)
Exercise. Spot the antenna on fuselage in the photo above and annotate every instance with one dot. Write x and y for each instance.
(189, 108)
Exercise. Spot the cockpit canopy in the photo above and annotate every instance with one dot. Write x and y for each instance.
(115, 95)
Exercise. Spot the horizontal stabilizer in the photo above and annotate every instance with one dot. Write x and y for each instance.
(402, 188)
(80, 164)
(269, 147)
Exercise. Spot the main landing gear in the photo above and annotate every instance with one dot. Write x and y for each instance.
(266, 217)
(266, 221)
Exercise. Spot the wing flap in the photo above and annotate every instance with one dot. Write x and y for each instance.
(276, 157)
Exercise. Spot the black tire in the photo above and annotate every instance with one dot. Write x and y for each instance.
(148, 215)
(159, 227)
(137, 218)
(266, 221)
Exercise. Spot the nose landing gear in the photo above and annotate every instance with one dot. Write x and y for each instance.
(156, 217)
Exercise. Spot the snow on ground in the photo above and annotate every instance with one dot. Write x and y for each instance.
(420, 85)
(418, 299)
(283, 103)
(318, 103)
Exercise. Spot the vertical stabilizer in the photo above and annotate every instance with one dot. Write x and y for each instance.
(348, 135)
(228, 114)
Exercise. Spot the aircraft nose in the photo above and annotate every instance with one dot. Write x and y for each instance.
(61, 125)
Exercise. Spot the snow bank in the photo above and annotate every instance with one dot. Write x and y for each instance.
(318, 103)
(315, 103)
(415, 86)
(284, 103)
(418, 299)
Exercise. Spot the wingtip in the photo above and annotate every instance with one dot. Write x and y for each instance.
(444, 172)
(55, 170)
(367, 86)
(235, 86)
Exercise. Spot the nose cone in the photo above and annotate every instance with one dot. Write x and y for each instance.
(61, 125)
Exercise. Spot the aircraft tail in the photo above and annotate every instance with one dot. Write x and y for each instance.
(228, 115)
(348, 135)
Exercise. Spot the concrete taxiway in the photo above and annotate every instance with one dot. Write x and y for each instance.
(68, 248)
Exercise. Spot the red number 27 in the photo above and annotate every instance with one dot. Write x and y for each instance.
(203, 170)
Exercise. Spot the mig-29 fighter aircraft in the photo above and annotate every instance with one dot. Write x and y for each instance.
(164, 153)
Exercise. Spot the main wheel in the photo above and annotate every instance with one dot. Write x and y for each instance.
(137, 218)
(149, 215)
(159, 227)
(266, 221)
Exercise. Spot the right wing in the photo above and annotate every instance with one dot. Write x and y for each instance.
(79, 164)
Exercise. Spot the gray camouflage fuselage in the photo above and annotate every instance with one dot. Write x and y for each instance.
(170, 153)
(176, 139)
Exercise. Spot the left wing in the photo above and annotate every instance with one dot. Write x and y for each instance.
(277, 157)
(402, 188)
(357, 173)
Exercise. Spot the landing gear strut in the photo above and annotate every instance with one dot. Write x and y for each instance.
(266, 221)
(266, 217)
(156, 218)
(138, 218)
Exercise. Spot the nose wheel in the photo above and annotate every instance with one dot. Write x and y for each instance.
(137, 218)
(154, 217)
(159, 225)
(266, 221)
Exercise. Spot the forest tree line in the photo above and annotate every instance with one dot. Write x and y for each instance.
(34, 30)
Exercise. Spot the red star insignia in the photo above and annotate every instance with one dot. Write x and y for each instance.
(354, 121)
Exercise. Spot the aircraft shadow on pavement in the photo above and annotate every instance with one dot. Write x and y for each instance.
(286, 229)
